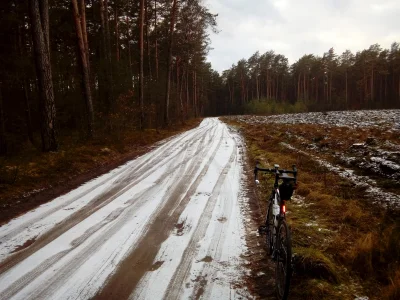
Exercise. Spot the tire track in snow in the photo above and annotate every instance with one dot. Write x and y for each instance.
(90, 249)
(225, 215)
(85, 212)
(68, 269)
(147, 159)
(49, 262)
(123, 227)
(181, 273)
(142, 257)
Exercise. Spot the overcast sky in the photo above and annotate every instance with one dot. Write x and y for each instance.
(297, 27)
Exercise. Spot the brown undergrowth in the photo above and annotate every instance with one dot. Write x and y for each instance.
(343, 246)
(31, 177)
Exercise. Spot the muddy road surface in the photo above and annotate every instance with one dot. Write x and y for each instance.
(167, 225)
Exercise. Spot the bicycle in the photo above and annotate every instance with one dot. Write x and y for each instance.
(278, 235)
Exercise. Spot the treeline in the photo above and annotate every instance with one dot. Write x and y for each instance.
(367, 79)
(94, 66)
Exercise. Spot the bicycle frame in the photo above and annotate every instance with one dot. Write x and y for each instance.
(278, 236)
(279, 174)
(278, 204)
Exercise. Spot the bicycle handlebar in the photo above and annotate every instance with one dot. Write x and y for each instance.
(275, 171)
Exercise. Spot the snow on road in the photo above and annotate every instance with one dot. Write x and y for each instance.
(168, 224)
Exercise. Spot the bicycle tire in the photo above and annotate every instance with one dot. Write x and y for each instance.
(269, 225)
(283, 270)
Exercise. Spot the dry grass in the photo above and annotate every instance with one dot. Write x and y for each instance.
(313, 263)
(343, 245)
(393, 290)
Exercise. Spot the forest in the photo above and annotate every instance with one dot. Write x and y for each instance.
(368, 79)
(98, 67)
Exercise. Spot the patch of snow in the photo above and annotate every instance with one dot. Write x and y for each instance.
(389, 119)
(376, 194)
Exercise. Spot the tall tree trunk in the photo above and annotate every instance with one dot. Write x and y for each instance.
(187, 93)
(372, 86)
(298, 88)
(365, 86)
(177, 73)
(201, 110)
(247, 91)
(28, 112)
(233, 92)
(44, 18)
(130, 62)
(399, 88)
(330, 89)
(84, 32)
(105, 81)
(385, 88)
(107, 27)
(180, 95)
(141, 79)
(156, 42)
(84, 66)
(230, 94)
(258, 90)
(116, 34)
(346, 91)
(129, 52)
(169, 63)
(110, 66)
(43, 70)
(25, 87)
(3, 141)
(242, 89)
(195, 93)
(148, 43)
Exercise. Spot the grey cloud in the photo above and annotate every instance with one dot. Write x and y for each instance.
(295, 28)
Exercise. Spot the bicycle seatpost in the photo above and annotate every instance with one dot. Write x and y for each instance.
(256, 175)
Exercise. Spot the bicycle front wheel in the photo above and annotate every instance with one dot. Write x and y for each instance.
(283, 260)
(269, 227)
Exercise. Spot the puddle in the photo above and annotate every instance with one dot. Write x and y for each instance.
(24, 245)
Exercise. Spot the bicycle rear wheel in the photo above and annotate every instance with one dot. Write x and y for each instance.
(269, 229)
(283, 260)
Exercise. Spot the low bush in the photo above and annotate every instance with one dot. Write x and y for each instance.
(271, 107)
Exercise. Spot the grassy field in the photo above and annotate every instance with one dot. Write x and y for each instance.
(346, 244)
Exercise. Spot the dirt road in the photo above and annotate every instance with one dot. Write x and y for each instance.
(165, 225)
